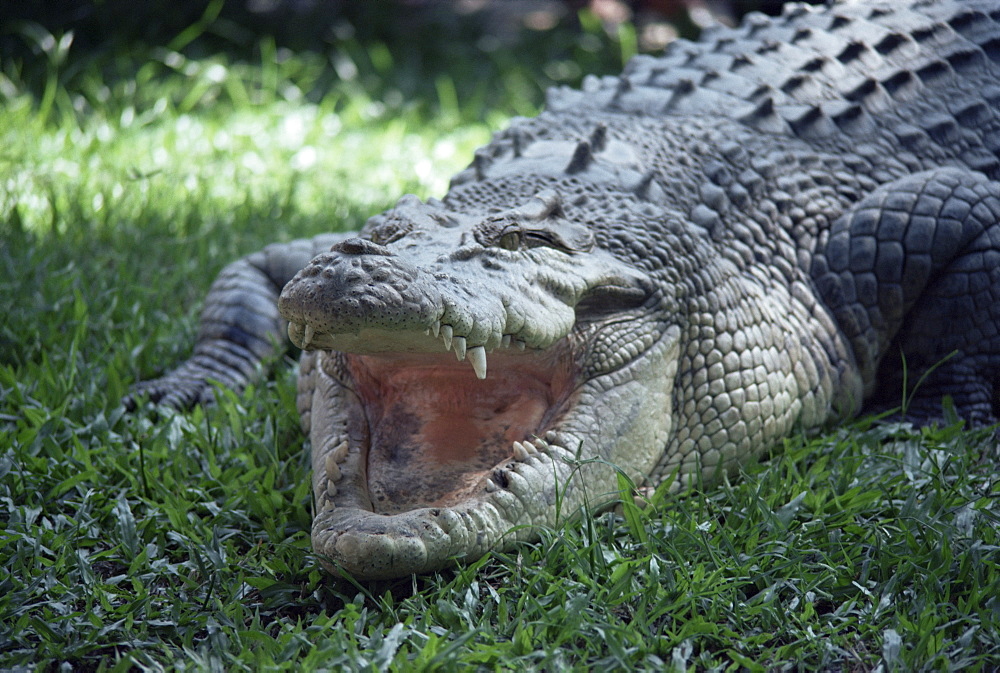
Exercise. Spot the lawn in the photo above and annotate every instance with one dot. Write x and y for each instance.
(130, 174)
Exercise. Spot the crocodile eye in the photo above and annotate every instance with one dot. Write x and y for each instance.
(510, 240)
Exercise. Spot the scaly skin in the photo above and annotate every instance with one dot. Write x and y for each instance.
(663, 274)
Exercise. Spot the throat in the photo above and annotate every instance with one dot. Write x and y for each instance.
(436, 431)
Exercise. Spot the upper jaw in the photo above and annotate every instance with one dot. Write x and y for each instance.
(378, 304)
(371, 304)
(437, 339)
(362, 297)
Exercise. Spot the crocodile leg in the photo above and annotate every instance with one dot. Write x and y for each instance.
(239, 325)
(912, 275)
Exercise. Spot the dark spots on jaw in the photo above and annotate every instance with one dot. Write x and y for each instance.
(410, 466)
(399, 454)
(392, 441)
(501, 479)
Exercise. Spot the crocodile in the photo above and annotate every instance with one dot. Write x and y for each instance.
(659, 277)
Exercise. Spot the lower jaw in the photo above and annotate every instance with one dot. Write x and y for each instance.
(386, 509)
(369, 545)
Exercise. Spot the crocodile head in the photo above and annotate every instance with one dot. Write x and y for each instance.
(468, 378)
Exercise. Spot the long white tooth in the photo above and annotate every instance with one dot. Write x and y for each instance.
(339, 452)
(436, 328)
(491, 486)
(446, 332)
(459, 343)
(307, 335)
(331, 489)
(477, 356)
(505, 341)
(521, 451)
(332, 468)
(520, 345)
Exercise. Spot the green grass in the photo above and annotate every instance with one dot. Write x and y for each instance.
(181, 542)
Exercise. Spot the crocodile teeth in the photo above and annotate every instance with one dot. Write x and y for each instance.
(459, 343)
(477, 356)
(520, 345)
(331, 489)
(339, 452)
(308, 332)
(523, 451)
(505, 341)
(436, 328)
(332, 468)
(491, 486)
(446, 333)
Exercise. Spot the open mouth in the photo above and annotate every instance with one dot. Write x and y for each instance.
(432, 434)
(445, 413)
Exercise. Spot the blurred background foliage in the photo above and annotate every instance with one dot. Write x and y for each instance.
(394, 51)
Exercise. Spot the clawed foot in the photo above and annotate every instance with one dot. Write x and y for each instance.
(191, 384)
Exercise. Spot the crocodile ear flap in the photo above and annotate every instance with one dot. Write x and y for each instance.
(605, 299)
